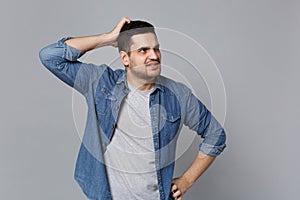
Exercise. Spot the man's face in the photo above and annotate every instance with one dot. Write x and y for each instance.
(144, 57)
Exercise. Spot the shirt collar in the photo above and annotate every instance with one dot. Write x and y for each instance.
(158, 82)
(122, 77)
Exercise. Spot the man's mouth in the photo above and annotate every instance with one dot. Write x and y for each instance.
(153, 64)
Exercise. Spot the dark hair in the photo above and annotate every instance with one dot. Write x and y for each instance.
(130, 29)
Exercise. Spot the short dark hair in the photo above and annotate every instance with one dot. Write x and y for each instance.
(133, 28)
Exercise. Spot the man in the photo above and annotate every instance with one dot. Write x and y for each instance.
(134, 117)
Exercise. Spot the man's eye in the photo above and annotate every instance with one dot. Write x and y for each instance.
(142, 50)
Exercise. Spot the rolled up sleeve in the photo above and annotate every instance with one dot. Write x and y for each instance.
(200, 119)
(62, 60)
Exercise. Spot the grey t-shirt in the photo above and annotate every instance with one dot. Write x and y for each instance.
(130, 158)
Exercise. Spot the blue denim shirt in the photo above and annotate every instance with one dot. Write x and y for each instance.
(171, 104)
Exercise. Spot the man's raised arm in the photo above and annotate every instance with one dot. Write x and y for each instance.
(91, 42)
(61, 58)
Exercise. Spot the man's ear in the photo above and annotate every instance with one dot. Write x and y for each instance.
(124, 58)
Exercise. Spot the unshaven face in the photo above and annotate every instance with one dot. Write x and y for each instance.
(144, 58)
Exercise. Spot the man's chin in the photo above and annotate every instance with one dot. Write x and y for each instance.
(154, 73)
(154, 66)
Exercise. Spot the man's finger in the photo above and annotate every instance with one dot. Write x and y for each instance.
(174, 188)
(176, 194)
(123, 21)
(126, 19)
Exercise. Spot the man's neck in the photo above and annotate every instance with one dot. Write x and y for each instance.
(141, 84)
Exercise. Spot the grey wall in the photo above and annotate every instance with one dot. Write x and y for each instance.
(255, 44)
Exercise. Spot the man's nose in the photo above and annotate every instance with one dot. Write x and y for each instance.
(154, 54)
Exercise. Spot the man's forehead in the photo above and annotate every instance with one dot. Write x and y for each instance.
(144, 40)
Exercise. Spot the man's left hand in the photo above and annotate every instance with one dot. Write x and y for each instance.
(179, 187)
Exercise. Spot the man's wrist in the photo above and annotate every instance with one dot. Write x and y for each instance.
(188, 181)
(107, 39)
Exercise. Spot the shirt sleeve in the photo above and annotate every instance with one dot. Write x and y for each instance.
(62, 60)
(200, 119)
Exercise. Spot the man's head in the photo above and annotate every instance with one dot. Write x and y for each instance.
(139, 51)
(130, 29)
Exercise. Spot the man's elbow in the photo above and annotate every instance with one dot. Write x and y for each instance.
(44, 56)
(51, 56)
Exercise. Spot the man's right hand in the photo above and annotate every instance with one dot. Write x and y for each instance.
(113, 35)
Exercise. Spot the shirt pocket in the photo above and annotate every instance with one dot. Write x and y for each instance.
(172, 124)
(104, 101)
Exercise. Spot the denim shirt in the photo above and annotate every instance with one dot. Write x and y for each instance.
(171, 104)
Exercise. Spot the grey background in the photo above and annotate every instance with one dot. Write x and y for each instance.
(254, 43)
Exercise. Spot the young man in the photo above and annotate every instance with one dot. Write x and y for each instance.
(134, 117)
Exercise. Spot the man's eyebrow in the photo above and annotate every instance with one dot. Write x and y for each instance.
(144, 47)
(156, 46)
(148, 47)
